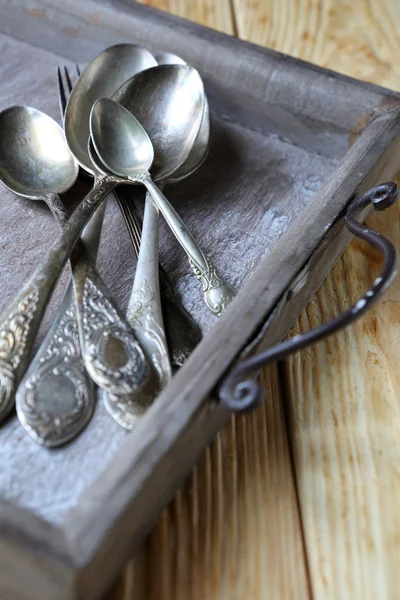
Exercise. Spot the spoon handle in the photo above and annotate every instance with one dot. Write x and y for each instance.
(145, 316)
(182, 333)
(217, 293)
(110, 349)
(20, 322)
(52, 420)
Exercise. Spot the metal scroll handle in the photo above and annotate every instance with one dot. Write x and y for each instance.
(240, 395)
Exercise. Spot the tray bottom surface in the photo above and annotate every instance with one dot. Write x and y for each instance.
(238, 205)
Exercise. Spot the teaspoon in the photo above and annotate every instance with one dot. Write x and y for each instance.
(161, 119)
(144, 310)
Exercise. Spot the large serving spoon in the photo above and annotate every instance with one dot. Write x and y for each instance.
(149, 327)
(126, 149)
(101, 78)
(164, 135)
(144, 309)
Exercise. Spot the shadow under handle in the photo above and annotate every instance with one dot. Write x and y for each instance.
(20, 322)
(240, 394)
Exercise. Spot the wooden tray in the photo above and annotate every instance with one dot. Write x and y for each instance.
(291, 145)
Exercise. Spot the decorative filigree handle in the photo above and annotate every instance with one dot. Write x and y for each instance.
(240, 394)
(56, 398)
(182, 333)
(14, 338)
(20, 322)
(50, 418)
(111, 352)
(217, 293)
(145, 316)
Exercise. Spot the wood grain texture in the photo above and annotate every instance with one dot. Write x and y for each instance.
(360, 39)
(342, 395)
(123, 502)
(208, 542)
(217, 14)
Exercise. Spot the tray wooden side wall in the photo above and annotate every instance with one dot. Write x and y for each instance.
(180, 424)
(314, 108)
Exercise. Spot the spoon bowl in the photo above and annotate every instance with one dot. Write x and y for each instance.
(199, 152)
(168, 101)
(34, 157)
(126, 163)
(105, 74)
(120, 140)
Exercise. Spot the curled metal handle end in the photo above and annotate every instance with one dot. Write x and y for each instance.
(382, 196)
(240, 394)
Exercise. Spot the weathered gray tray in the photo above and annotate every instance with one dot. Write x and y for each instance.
(291, 145)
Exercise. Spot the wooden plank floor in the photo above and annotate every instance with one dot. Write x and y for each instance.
(301, 498)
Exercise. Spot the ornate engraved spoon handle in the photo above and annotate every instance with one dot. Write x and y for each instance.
(183, 334)
(54, 419)
(217, 293)
(20, 322)
(110, 350)
(145, 316)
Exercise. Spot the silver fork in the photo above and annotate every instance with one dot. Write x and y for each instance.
(181, 331)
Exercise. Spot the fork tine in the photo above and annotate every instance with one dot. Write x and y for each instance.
(68, 80)
(78, 71)
(62, 99)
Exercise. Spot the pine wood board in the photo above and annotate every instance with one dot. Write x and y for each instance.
(360, 39)
(207, 543)
(341, 396)
(218, 14)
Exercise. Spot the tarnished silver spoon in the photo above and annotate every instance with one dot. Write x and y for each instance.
(56, 401)
(144, 310)
(162, 120)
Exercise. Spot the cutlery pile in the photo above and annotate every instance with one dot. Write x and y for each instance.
(132, 119)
